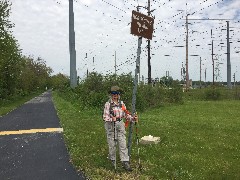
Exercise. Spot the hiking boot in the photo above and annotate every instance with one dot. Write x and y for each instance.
(126, 166)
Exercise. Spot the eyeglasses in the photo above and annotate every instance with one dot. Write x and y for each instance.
(115, 92)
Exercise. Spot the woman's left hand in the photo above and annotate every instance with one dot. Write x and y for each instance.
(135, 118)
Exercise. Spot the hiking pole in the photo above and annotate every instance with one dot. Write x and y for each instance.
(115, 144)
(138, 148)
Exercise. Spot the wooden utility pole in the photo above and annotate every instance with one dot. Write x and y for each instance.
(212, 63)
(149, 54)
(234, 79)
(200, 73)
(205, 75)
(228, 50)
(115, 64)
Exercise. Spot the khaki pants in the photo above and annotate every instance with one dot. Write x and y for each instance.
(121, 139)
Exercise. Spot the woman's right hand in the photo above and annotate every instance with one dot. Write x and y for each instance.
(114, 119)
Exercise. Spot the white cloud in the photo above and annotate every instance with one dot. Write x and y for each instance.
(102, 27)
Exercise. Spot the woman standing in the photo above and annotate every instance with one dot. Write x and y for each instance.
(114, 113)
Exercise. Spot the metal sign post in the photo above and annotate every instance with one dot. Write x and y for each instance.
(141, 26)
(134, 94)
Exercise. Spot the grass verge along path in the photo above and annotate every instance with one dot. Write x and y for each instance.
(199, 140)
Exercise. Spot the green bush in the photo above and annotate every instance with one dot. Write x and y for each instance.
(175, 94)
(150, 96)
(236, 93)
(212, 93)
(93, 92)
(194, 94)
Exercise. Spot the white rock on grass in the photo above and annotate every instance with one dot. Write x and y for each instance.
(149, 140)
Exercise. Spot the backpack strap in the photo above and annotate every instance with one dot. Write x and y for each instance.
(120, 103)
(110, 107)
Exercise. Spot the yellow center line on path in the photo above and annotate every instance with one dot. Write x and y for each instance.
(30, 131)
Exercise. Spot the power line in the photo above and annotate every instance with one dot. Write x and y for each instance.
(114, 6)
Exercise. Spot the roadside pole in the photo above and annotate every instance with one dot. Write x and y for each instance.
(134, 93)
(72, 50)
(141, 26)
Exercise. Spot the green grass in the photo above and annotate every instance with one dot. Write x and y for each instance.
(10, 104)
(199, 140)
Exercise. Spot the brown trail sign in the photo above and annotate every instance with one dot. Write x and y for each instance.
(142, 25)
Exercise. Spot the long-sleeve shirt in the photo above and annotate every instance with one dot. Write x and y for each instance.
(117, 111)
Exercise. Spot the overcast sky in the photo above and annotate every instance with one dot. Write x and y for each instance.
(102, 27)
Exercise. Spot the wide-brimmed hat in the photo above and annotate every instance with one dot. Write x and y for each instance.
(115, 88)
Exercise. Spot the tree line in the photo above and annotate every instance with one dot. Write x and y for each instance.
(20, 74)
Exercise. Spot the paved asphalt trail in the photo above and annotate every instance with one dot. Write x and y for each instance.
(33, 156)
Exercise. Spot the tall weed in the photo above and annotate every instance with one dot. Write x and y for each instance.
(212, 93)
